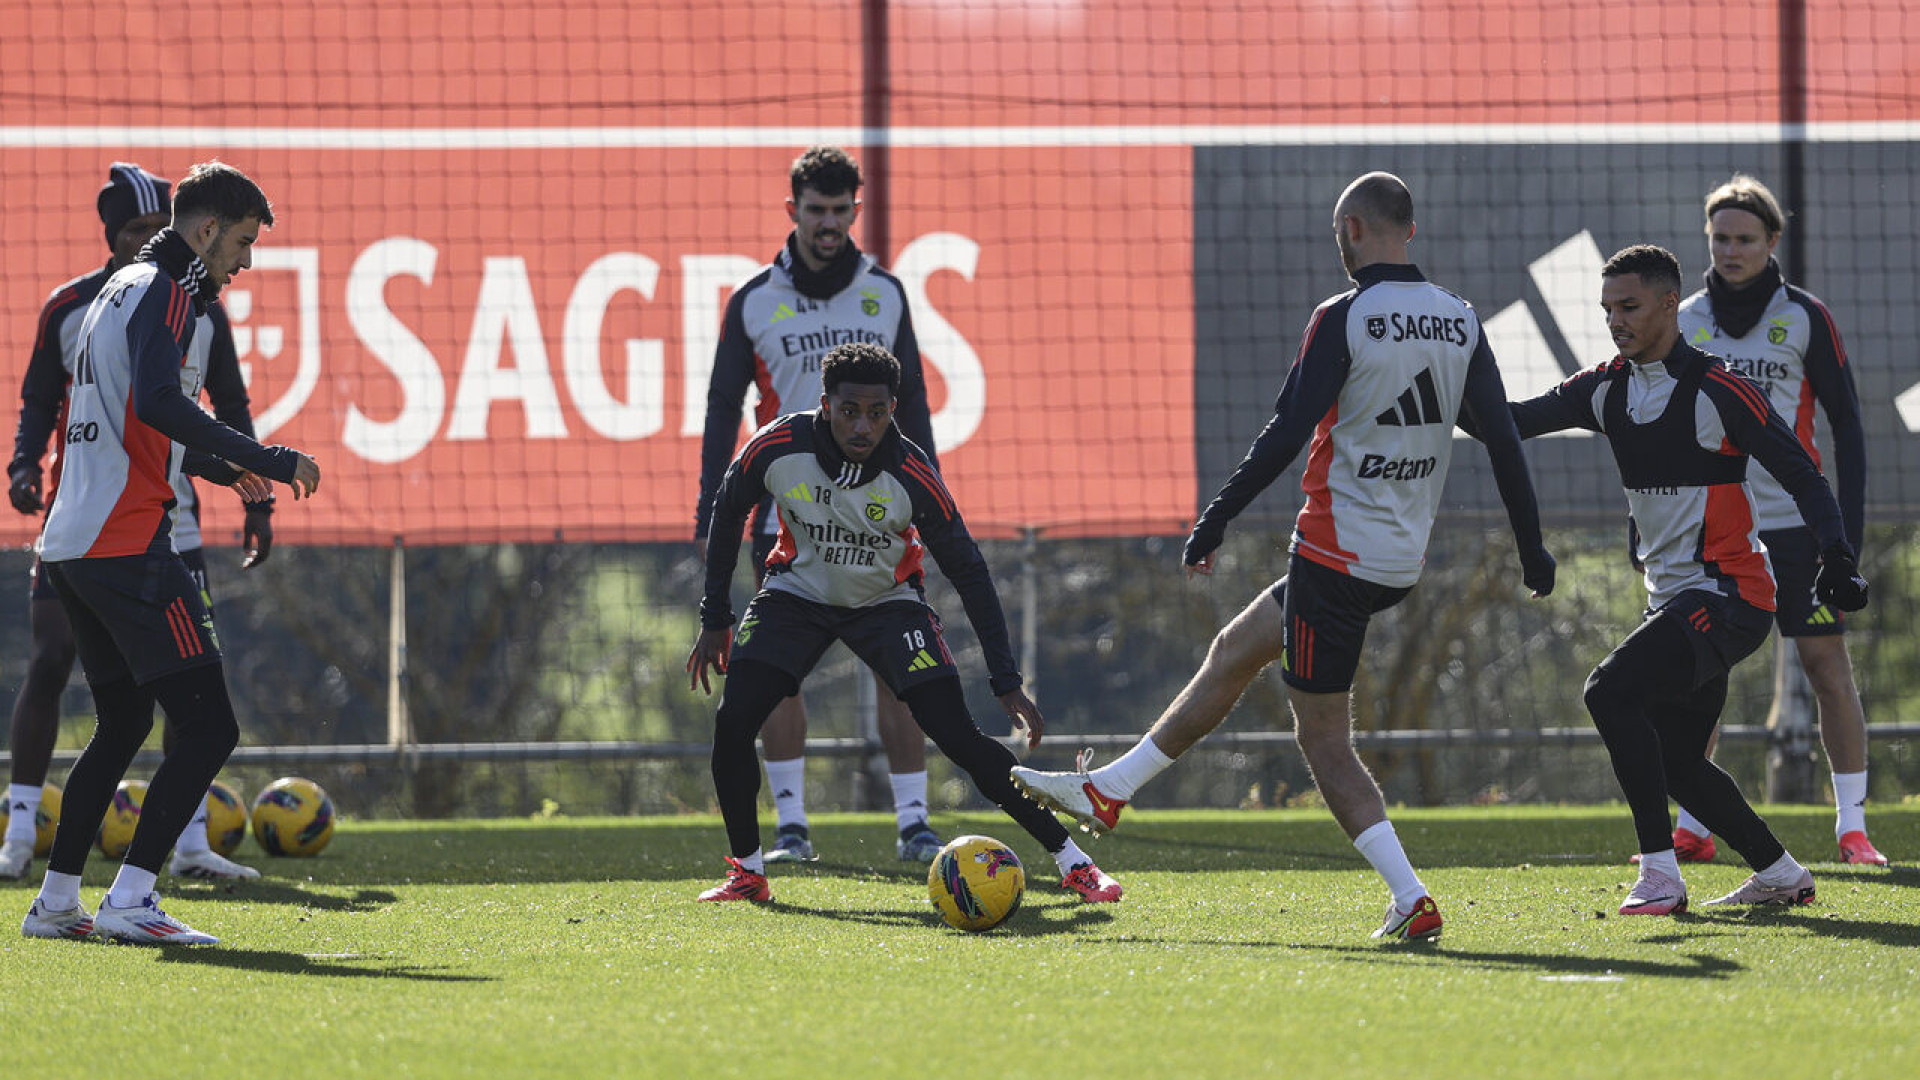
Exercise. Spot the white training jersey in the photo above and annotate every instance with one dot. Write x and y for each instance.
(1379, 457)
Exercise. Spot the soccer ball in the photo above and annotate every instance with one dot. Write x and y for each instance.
(123, 816)
(976, 883)
(46, 819)
(293, 817)
(226, 819)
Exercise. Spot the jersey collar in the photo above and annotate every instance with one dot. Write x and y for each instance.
(848, 474)
(169, 251)
(1374, 273)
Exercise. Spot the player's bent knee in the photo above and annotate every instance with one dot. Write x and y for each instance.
(1605, 692)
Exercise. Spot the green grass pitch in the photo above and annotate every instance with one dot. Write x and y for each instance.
(568, 947)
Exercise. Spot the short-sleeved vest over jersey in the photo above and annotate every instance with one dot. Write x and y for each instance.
(116, 475)
(1378, 460)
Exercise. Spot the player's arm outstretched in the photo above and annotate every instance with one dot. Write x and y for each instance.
(1569, 405)
(1832, 381)
(1483, 406)
(41, 393)
(227, 390)
(942, 530)
(740, 488)
(1755, 429)
(1312, 387)
(159, 403)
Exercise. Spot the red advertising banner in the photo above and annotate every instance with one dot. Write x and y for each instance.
(503, 345)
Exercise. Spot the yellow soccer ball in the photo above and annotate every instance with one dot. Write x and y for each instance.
(46, 819)
(293, 817)
(123, 816)
(226, 819)
(976, 883)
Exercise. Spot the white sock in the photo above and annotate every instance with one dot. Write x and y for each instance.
(59, 892)
(23, 802)
(1381, 846)
(789, 782)
(1782, 873)
(756, 862)
(1069, 857)
(909, 797)
(131, 886)
(193, 838)
(1691, 824)
(1849, 801)
(1125, 775)
(1666, 862)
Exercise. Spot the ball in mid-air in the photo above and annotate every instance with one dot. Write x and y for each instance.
(976, 883)
(293, 816)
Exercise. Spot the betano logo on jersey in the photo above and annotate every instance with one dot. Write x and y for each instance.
(1379, 467)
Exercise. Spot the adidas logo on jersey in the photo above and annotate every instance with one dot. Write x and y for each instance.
(1419, 404)
(923, 661)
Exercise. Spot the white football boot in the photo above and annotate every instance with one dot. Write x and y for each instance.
(146, 924)
(209, 865)
(41, 922)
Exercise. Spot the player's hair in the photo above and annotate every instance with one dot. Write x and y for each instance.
(1743, 192)
(828, 170)
(1379, 197)
(219, 189)
(861, 363)
(1656, 266)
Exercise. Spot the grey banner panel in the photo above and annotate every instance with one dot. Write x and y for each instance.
(1518, 230)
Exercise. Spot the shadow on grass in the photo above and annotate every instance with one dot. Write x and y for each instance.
(274, 962)
(266, 891)
(675, 849)
(1825, 924)
(1685, 966)
(1032, 920)
(1904, 876)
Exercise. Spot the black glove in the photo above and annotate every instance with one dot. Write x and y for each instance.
(24, 488)
(1536, 571)
(1202, 542)
(257, 536)
(1840, 584)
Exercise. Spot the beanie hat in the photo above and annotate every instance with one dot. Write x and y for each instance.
(131, 192)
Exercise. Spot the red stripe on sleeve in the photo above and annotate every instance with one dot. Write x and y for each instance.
(1833, 334)
(55, 305)
(924, 473)
(771, 438)
(1749, 395)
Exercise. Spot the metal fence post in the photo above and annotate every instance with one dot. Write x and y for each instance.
(399, 722)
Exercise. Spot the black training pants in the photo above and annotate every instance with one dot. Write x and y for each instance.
(1656, 700)
(939, 707)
